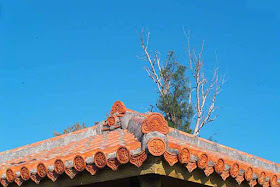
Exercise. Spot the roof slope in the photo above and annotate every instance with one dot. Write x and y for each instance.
(130, 137)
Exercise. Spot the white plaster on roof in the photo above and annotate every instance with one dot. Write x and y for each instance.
(47, 145)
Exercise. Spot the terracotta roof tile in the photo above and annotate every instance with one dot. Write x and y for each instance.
(127, 136)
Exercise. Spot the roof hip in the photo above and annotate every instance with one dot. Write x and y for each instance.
(127, 136)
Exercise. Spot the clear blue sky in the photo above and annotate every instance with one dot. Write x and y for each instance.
(68, 61)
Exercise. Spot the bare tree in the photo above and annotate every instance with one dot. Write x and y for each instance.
(205, 89)
(204, 92)
(168, 75)
(155, 65)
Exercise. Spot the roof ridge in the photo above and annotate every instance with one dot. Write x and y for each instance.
(129, 136)
(223, 146)
(52, 139)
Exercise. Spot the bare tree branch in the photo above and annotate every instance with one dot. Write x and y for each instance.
(190, 55)
(157, 71)
(152, 72)
(205, 91)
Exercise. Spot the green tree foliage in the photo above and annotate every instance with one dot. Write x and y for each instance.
(74, 127)
(174, 103)
(179, 101)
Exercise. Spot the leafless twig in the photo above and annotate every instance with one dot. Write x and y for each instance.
(205, 91)
(155, 67)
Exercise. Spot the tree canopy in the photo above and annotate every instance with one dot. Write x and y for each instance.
(174, 103)
(186, 94)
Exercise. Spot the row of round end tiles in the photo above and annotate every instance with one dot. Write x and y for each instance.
(156, 147)
(72, 167)
(209, 163)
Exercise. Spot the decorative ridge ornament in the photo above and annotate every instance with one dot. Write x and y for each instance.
(100, 159)
(208, 170)
(202, 161)
(155, 122)
(71, 172)
(156, 146)
(171, 158)
(234, 170)
(24, 173)
(249, 173)
(91, 168)
(118, 109)
(111, 120)
(41, 170)
(113, 164)
(219, 166)
(184, 155)
(123, 155)
(10, 175)
(18, 181)
(59, 167)
(79, 163)
(274, 180)
(261, 178)
(138, 159)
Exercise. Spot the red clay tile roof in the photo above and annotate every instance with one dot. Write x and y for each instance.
(129, 137)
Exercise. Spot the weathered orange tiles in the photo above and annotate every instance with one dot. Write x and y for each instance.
(115, 141)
